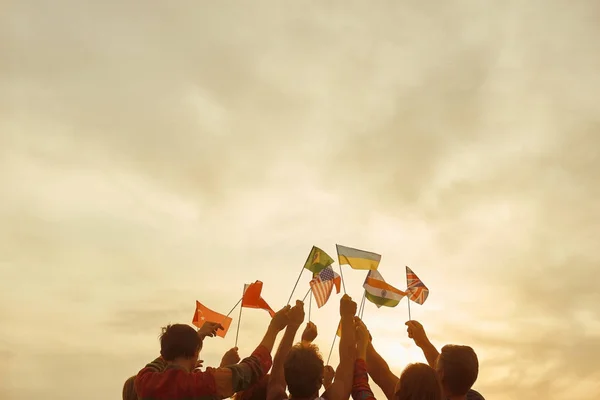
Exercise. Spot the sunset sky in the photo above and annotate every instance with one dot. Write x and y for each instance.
(156, 153)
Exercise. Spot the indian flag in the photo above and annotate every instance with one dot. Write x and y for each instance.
(380, 293)
(357, 259)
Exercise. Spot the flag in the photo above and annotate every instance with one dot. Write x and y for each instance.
(204, 314)
(357, 259)
(317, 260)
(380, 293)
(252, 298)
(322, 284)
(417, 291)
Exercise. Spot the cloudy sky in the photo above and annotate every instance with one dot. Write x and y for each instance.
(157, 153)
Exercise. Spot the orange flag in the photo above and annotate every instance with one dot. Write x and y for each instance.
(253, 299)
(204, 314)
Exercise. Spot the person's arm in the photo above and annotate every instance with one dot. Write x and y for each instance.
(380, 372)
(277, 383)
(360, 384)
(341, 387)
(328, 376)
(417, 333)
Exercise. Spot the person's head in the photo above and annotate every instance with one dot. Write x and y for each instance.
(303, 370)
(129, 389)
(457, 367)
(180, 343)
(419, 382)
(258, 391)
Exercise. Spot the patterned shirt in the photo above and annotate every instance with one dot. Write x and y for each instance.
(360, 384)
(161, 381)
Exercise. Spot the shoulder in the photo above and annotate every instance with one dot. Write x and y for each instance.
(474, 395)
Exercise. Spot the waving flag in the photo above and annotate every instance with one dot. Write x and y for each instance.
(417, 291)
(204, 314)
(322, 285)
(317, 260)
(380, 293)
(253, 299)
(357, 259)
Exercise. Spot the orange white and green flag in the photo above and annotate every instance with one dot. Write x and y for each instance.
(380, 293)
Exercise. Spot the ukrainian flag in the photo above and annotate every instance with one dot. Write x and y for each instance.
(357, 259)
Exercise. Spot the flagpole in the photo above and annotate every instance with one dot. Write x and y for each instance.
(237, 333)
(299, 276)
(331, 350)
(310, 304)
(342, 275)
(309, 291)
(408, 299)
(408, 293)
(236, 304)
(362, 304)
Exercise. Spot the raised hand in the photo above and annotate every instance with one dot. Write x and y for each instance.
(417, 333)
(209, 329)
(328, 376)
(281, 319)
(363, 337)
(231, 357)
(347, 306)
(310, 333)
(296, 314)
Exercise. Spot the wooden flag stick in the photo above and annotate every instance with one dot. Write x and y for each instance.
(332, 344)
(237, 334)
(408, 299)
(236, 304)
(362, 304)
(342, 275)
(310, 305)
(306, 295)
(299, 276)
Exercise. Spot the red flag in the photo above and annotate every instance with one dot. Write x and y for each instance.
(204, 314)
(252, 298)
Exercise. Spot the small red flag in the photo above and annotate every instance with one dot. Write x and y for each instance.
(253, 299)
(204, 314)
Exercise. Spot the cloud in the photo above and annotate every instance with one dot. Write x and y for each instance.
(151, 156)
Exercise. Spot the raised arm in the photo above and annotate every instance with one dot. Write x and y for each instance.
(417, 333)
(277, 383)
(380, 371)
(341, 387)
(360, 385)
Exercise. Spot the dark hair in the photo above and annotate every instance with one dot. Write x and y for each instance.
(179, 340)
(303, 370)
(419, 382)
(459, 367)
(258, 391)
(129, 392)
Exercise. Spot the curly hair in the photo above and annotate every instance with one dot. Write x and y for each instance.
(303, 370)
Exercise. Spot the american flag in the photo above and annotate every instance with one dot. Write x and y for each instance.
(418, 292)
(322, 285)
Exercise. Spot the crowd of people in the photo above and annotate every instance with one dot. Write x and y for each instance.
(297, 371)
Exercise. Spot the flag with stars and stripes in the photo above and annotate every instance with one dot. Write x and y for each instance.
(417, 291)
(322, 285)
